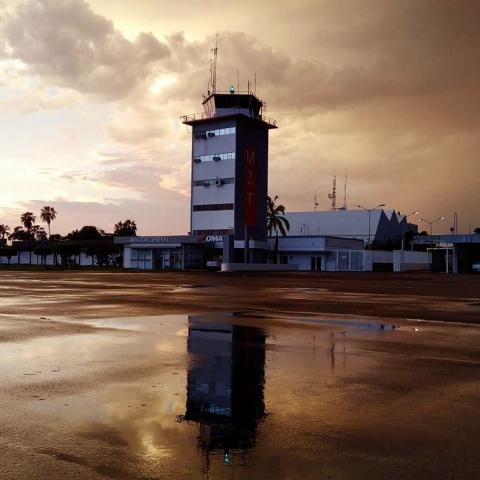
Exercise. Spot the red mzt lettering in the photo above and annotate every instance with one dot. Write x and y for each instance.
(250, 187)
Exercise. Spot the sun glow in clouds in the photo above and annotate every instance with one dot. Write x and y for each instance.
(94, 91)
(161, 83)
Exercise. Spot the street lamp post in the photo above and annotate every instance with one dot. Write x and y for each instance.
(431, 222)
(404, 233)
(370, 210)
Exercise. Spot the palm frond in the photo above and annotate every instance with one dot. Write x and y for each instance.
(276, 222)
(286, 223)
(282, 229)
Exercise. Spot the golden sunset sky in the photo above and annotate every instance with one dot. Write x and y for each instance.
(91, 95)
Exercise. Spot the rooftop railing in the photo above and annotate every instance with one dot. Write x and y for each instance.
(205, 116)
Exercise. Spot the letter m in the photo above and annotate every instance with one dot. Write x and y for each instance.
(250, 156)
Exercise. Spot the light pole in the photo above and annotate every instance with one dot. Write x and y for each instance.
(370, 210)
(410, 214)
(431, 222)
(404, 233)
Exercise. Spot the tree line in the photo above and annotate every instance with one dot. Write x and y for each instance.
(65, 250)
(30, 231)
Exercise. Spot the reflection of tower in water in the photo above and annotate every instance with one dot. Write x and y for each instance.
(225, 385)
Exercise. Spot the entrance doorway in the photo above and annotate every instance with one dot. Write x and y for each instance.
(316, 264)
(166, 259)
(158, 259)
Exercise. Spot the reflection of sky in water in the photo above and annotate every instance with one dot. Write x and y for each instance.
(181, 397)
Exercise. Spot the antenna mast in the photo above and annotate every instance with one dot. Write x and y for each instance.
(333, 196)
(315, 202)
(345, 193)
(213, 66)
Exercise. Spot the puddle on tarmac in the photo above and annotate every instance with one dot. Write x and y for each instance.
(349, 324)
(223, 396)
(189, 288)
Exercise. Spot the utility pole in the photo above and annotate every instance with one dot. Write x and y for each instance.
(431, 222)
(370, 210)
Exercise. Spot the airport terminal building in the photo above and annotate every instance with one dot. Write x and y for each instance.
(206, 251)
(228, 208)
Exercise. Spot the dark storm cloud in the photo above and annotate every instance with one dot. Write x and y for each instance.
(427, 46)
(296, 83)
(385, 89)
(386, 49)
(65, 41)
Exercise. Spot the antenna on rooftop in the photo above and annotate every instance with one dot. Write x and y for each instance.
(345, 197)
(315, 202)
(333, 196)
(213, 66)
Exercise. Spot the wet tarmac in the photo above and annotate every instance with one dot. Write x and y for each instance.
(237, 395)
(449, 298)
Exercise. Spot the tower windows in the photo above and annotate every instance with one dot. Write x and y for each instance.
(214, 133)
(211, 181)
(216, 157)
(212, 207)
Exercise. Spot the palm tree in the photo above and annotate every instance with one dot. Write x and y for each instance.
(276, 221)
(128, 228)
(28, 219)
(4, 229)
(38, 233)
(48, 214)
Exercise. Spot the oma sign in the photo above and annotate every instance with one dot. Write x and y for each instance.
(214, 238)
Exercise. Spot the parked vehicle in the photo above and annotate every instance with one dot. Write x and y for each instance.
(214, 264)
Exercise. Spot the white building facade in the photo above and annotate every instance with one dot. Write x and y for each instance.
(380, 226)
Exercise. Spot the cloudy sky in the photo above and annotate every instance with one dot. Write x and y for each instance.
(91, 94)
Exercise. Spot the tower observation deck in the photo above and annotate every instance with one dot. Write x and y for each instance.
(224, 104)
(230, 166)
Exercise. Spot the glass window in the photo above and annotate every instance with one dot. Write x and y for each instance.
(211, 181)
(214, 157)
(141, 258)
(202, 136)
(213, 207)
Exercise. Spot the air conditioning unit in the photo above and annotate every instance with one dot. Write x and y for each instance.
(216, 158)
(206, 184)
(211, 134)
(197, 159)
(219, 182)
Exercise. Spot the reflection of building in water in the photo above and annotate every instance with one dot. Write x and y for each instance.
(225, 385)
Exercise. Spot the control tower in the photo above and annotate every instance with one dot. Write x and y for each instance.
(230, 167)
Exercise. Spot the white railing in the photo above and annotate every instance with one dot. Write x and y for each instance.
(205, 116)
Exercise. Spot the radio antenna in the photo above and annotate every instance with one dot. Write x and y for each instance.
(333, 196)
(213, 66)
